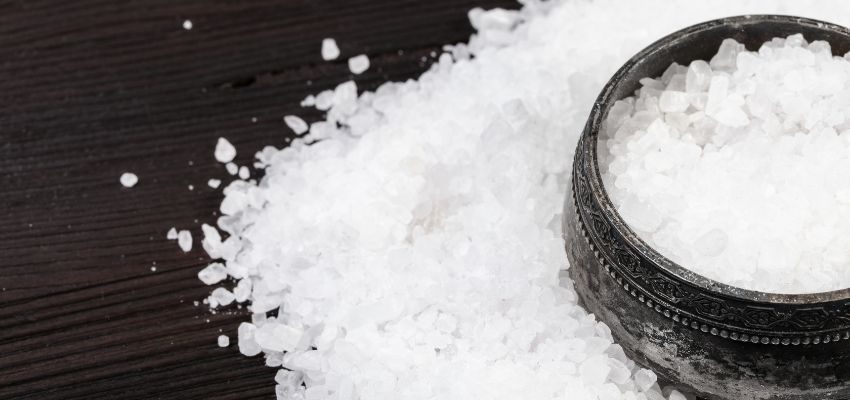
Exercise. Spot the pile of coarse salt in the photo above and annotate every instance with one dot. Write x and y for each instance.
(414, 249)
(737, 168)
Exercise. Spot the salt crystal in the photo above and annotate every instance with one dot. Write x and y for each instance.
(644, 379)
(231, 168)
(129, 179)
(727, 56)
(184, 240)
(224, 151)
(172, 234)
(244, 173)
(698, 77)
(212, 274)
(214, 183)
(187, 25)
(330, 51)
(595, 370)
(247, 345)
(223, 341)
(676, 395)
(358, 64)
(673, 101)
(296, 124)
(220, 297)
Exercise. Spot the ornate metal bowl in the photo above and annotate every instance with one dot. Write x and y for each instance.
(705, 337)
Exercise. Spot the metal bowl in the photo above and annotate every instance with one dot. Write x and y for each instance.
(699, 335)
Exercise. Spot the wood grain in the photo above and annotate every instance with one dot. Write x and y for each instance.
(91, 89)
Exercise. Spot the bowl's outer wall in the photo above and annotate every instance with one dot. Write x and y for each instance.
(709, 365)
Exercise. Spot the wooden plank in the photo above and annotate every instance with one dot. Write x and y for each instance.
(95, 88)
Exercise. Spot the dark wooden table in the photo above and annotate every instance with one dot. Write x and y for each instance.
(90, 89)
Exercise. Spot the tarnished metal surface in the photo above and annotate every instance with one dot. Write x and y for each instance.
(706, 337)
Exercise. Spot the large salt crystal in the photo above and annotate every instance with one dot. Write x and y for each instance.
(698, 77)
(212, 274)
(224, 151)
(644, 379)
(358, 64)
(673, 101)
(220, 297)
(247, 345)
(297, 124)
(128, 179)
(184, 240)
(330, 50)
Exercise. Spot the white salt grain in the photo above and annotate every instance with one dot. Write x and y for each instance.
(172, 234)
(358, 64)
(214, 183)
(676, 395)
(187, 25)
(231, 168)
(223, 341)
(296, 124)
(244, 173)
(220, 297)
(330, 51)
(184, 240)
(644, 379)
(224, 151)
(212, 274)
(129, 179)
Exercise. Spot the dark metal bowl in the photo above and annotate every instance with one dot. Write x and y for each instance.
(705, 337)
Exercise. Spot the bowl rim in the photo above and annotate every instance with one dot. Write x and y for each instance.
(597, 116)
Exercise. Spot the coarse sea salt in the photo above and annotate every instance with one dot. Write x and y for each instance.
(184, 240)
(731, 167)
(128, 179)
(330, 50)
(414, 251)
(224, 151)
(297, 124)
(358, 64)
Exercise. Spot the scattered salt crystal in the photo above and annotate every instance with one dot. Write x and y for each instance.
(244, 173)
(223, 341)
(224, 151)
(172, 234)
(231, 168)
(187, 25)
(220, 297)
(184, 240)
(214, 183)
(358, 64)
(212, 274)
(191, 187)
(330, 51)
(296, 124)
(129, 179)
